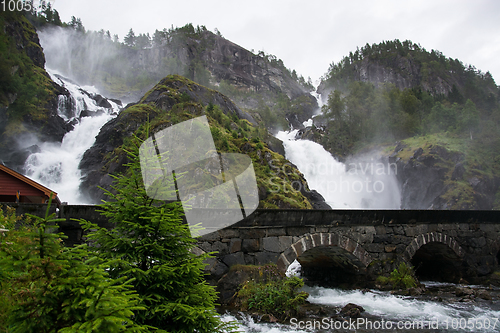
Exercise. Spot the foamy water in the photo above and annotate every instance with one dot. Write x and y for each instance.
(56, 165)
(365, 184)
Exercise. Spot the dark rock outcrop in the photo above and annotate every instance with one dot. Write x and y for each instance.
(352, 310)
(39, 116)
(433, 178)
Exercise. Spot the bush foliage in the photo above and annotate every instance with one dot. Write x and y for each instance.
(273, 293)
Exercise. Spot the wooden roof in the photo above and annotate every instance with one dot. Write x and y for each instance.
(29, 186)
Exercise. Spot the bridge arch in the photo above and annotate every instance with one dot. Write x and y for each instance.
(435, 256)
(431, 237)
(324, 240)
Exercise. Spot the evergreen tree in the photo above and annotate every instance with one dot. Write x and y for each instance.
(46, 287)
(153, 246)
(130, 39)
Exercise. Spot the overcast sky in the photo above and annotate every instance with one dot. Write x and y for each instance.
(309, 35)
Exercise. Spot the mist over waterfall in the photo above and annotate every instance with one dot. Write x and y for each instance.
(56, 164)
(366, 183)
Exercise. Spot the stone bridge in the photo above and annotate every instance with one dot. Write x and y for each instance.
(339, 246)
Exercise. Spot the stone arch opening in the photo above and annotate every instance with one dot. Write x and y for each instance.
(331, 266)
(436, 257)
(328, 259)
(437, 262)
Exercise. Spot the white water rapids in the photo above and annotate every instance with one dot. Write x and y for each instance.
(412, 314)
(56, 165)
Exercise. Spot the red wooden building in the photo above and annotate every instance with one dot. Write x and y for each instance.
(15, 187)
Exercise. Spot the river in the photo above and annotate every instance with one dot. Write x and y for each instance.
(438, 309)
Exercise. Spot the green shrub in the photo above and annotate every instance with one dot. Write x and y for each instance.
(403, 277)
(273, 293)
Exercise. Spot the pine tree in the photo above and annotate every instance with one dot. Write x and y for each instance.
(46, 287)
(130, 39)
(153, 246)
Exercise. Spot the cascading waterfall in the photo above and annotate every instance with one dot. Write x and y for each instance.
(56, 165)
(366, 183)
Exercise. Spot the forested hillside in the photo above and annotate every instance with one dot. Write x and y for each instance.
(398, 91)
(126, 70)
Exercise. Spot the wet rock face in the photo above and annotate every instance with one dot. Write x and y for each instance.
(429, 178)
(97, 169)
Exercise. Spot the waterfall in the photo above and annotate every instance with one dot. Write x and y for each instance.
(56, 165)
(363, 183)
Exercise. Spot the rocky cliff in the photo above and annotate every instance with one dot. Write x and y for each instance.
(408, 65)
(28, 97)
(433, 176)
(252, 81)
(175, 99)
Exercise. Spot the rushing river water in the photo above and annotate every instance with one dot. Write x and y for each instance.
(436, 310)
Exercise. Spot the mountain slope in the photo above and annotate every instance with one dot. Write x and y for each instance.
(175, 99)
(443, 116)
(255, 82)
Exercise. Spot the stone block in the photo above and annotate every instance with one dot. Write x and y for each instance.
(250, 259)
(350, 245)
(398, 230)
(463, 226)
(381, 238)
(263, 258)
(235, 245)
(400, 248)
(271, 244)
(211, 237)
(410, 231)
(380, 230)
(218, 270)
(374, 248)
(369, 230)
(290, 255)
(234, 259)
(276, 232)
(489, 227)
(316, 240)
(298, 247)
(229, 233)
(205, 246)
(284, 242)
(390, 248)
(366, 238)
(399, 239)
(477, 242)
(355, 236)
(220, 248)
(250, 245)
(247, 233)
